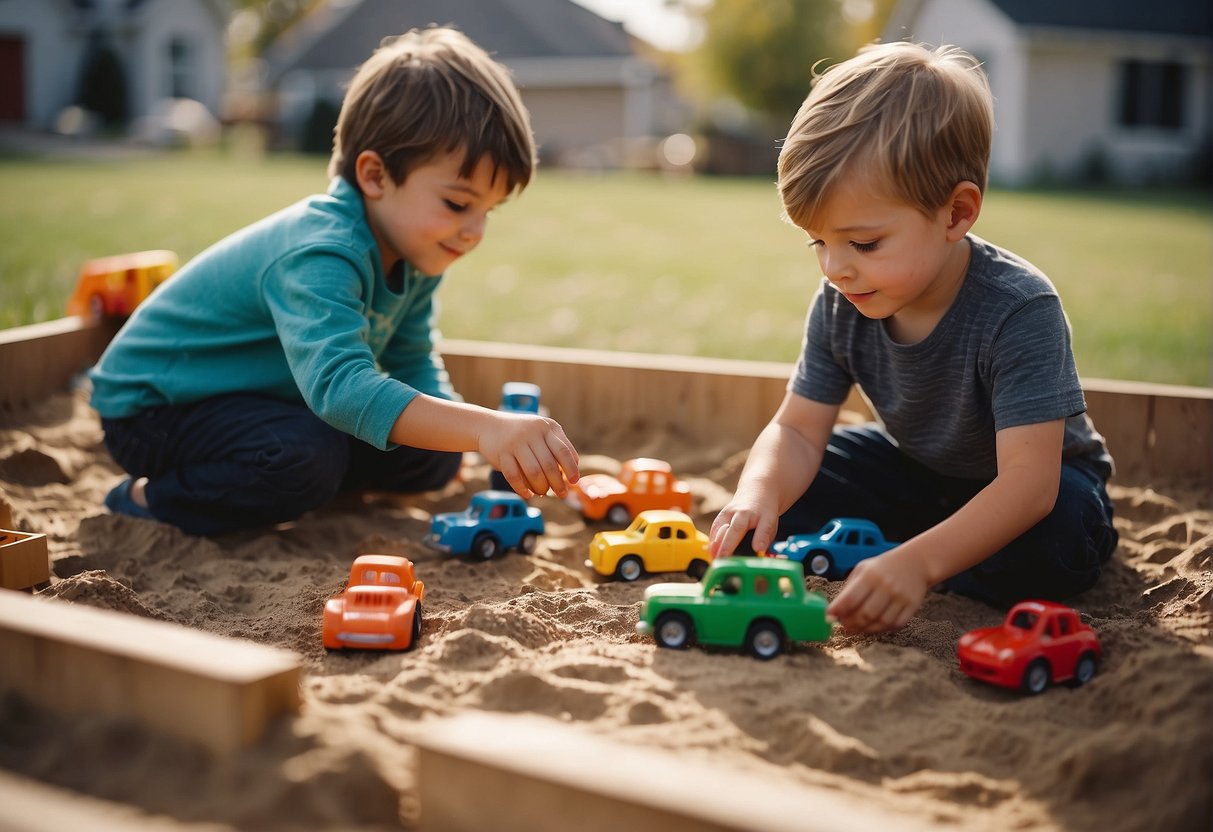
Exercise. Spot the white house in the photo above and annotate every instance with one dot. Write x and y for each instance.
(1120, 88)
(580, 76)
(165, 48)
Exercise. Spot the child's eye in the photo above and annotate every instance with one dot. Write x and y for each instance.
(815, 244)
(455, 206)
(864, 248)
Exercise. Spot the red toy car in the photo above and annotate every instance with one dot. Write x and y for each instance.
(380, 608)
(1040, 643)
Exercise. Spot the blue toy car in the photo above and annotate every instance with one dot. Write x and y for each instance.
(834, 550)
(492, 523)
(519, 397)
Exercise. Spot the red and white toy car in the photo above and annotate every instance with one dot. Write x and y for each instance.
(380, 608)
(1038, 644)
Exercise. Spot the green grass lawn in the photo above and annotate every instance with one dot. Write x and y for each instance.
(697, 266)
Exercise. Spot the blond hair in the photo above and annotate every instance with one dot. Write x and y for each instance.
(429, 92)
(920, 121)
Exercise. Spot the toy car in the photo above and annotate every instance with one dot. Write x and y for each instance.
(658, 540)
(1038, 644)
(833, 551)
(749, 602)
(114, 286)
(493, 522)
(642, 484)
(380, 608)
(516, 397)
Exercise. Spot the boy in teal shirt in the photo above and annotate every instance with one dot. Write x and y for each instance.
(297, 356)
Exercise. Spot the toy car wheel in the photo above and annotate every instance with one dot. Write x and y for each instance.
(416, 627)
(1037, 677)
(485, 547)
(697, 568)
(1084, 671)
(629, 569)
(619, 515)
(673, 630)
(764, 640)
(527, 544)
(820, 563)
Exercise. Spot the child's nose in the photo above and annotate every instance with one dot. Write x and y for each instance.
(835, 265)
(473, 229)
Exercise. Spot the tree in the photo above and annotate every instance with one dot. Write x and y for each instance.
(763, 54)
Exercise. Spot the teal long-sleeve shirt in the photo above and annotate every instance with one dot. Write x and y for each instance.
(296, 306)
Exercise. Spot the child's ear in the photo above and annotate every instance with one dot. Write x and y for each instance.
(371, 174)
(965, 206)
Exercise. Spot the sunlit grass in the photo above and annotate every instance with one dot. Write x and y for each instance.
(698, 266)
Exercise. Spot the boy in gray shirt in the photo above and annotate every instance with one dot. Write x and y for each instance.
(984, 462)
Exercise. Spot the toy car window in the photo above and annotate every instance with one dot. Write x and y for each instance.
(682, 535)
(1063, 625)
(761, 585)
(852, 538)
(731, 584)
(785, 586)
(868, 540)
(664, 532)
(642, 482)
(369, 576)
(497, 512)
(1024, 620)
(389, 578)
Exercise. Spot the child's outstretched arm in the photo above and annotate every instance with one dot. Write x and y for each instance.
(883, 592)
(531, 451)
(784, 460)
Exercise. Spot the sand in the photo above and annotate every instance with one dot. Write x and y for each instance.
(888, 721)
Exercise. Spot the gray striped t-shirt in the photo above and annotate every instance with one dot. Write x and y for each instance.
(1000, 357)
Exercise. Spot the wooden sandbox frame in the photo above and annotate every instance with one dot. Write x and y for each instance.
(1158, 434)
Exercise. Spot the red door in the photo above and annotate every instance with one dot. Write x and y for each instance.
(12, 78)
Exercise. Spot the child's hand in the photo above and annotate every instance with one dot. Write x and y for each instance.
(881, 593)
(531, 452)
(743, 512)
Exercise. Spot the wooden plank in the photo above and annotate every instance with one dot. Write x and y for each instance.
(31, 806)
(530, 774)
(1159, 434)
(41, 359)
(218, 692)
(24, 559)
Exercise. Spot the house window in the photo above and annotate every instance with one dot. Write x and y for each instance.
(179, 60)
(1152, 93)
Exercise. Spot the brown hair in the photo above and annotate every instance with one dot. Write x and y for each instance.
(920, 121)
(428, 92)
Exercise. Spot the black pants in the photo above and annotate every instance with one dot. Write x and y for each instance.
(241, 461)
(863, 474)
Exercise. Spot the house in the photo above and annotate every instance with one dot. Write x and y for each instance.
(588, 91)
(1084, 89)
(122, 57)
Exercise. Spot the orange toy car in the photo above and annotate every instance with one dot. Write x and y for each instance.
(642, 484)
(380, 608)
(114, 286)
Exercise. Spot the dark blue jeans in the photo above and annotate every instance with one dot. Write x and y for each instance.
(240, 461)
(863, 474)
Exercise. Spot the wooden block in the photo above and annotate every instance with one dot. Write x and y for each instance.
(215, 691)
(41, 359)
(527, 773)
(31, 806)
(24, 560)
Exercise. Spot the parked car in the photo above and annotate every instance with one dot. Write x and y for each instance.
(114, 286)
(642, 484)
(493, 522)
(658, 540)
(516, 397)
(1039, 643)
(833, 551)
(751, 602)
(380, 608)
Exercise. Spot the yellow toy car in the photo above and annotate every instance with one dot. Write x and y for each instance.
(659, 540)
(114, 286)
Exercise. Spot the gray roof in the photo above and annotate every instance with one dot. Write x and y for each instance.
(1191, 18)
(342, 36)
